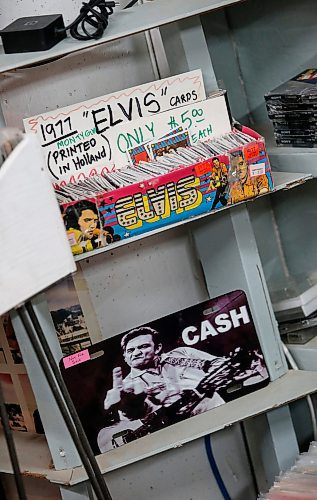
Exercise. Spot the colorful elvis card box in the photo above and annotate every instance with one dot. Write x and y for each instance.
(166, 371)
(142, 123)
(241, 174)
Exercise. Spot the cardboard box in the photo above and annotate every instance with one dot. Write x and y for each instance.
(223, 180)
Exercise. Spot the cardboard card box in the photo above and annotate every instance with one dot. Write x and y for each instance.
(186, 192)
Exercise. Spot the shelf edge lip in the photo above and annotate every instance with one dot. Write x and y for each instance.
(293, 385)
(291, 180)
(203, 6)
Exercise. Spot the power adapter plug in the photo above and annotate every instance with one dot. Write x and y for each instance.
(32, 34)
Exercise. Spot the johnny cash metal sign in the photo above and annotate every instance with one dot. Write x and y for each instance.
(166, 371)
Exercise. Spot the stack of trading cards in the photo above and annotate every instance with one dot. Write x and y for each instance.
(292, 107)
(161, 157)
(150, 150)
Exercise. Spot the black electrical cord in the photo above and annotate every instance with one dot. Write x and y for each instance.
(130, 4)
(11, 448)
(62, 398)
(93, 19)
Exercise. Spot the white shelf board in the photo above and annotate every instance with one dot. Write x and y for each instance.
(304, 303)
(292, 386)
(33, 454)
(291, 159)
(282, 181)
(305, 355)
(287, 159)
(121, 24)
(35, 458)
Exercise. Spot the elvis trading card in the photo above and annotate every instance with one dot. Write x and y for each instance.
(166, 371)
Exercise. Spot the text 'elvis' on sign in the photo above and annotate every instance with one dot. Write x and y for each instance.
(75, 139)
(203, 120)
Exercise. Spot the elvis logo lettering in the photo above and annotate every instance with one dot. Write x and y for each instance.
(167, 199)
(133, 210)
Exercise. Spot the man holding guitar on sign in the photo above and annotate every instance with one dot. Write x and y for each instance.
(161, 388)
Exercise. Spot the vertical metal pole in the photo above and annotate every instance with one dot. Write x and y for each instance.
(228, 252)
(272, 445)
(57, 386)
(230, 261)
(81, 491)
(186, 49)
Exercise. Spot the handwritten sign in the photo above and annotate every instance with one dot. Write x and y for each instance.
(75, 359)
(75, 139)
(203, 168)
(252, 151)
(203, 120)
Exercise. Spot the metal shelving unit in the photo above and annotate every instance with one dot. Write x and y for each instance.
(123, 24)
(226, 247)
(287, 386)
(282, 181)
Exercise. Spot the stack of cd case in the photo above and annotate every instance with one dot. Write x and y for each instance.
(292, 107)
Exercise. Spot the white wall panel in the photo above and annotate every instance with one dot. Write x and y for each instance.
(185, 474)
(143, 281)
(275, 40)
(36, 489)
(74, 78)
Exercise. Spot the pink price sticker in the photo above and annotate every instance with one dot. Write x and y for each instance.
(76, 359)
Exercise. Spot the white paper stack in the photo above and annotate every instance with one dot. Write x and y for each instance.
(34, 251)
